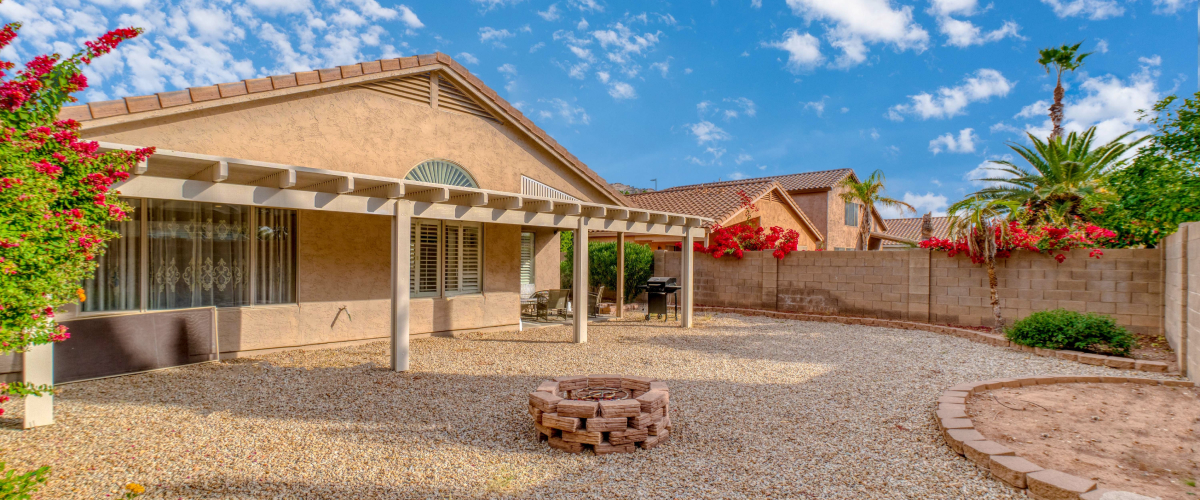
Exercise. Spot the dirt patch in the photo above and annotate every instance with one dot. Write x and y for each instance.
(1131, 437)
(1153, 348)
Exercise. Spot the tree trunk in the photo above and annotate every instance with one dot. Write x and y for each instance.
(864, 229)
(993, 283)
(1056, 110)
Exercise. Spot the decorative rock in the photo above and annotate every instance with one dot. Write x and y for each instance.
(558, 444)
(549, 386)
(606, 424)
(643, 420)
(1012, 469)
(579, 409)
(943, 414)
(544, 401)
(957, 423)
(653, 441)
(658, 386)
(620, 408)
(1055, 485)
(584, 437)
(572, 383)
(636, 383)
(981, 452)
(552, 420)
(954, 437)
(653, 401)
(629, 435)
(536, 414)
(1114, 495)
(659, 427)
(610, 381)
(606, 447)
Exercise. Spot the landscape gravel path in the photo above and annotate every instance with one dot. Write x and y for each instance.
(762, 408)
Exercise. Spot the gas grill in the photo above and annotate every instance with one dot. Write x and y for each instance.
(657, 289)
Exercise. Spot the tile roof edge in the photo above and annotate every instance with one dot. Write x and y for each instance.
(247, 88)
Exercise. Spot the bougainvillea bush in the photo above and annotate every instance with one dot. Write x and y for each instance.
(737, 239)
(1049, 240)
(55, 192)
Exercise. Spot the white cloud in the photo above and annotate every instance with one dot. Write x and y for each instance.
(1170, 7)
(662, 67)
(965, 34)
(622, 41)
(468, 58)
(743, 158)
(964, 143)
(928, 202)
(281, 6)
(551, 13)
(510, 76)
(804, 50)
(757, 4)
(567, 111)
(494, 4)
(737, 176)
(494, 36)
(1102, 46)
(582, 24)
(534, 48)
(621, 90)
(953, 101)
(852, 24)
(747, 106)
(984, 171)
(1092, 9)
(1038, 108)
(953, 7)
(706, 131)
(582, 53)
(1004, 127)
(409, 17)
(603, 76)
(1109, 103)
(874, 133)
(587, 5)
(818, 107)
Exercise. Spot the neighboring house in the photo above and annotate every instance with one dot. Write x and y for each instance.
(906, 233)
(723, 203)
(291, 204)
(817, 195)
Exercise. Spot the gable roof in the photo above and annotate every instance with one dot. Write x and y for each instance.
(136, 108)
(910, 229)
(718, 201)
(803, 181)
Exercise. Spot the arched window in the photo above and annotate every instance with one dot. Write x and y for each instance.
(441, 172)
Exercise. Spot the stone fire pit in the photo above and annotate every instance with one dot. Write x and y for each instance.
(606, 413)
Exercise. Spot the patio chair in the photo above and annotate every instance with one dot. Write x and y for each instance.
(594, 299)
(552, 302)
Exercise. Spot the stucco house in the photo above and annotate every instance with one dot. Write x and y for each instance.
(904, 233)
(725, 204)
(380, 200)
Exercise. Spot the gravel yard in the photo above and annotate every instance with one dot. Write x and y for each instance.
(761, 408)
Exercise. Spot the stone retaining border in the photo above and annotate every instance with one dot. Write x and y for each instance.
(972, 335)
(1042, 484)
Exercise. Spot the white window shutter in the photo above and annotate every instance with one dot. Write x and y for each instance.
(472, 257)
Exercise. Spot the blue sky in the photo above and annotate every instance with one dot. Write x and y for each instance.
(688, 92)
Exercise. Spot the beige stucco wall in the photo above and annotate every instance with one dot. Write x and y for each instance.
(828, 213)
(775, 213)
(816, 207)
(344, 261)
(546, 270)
(356, 130)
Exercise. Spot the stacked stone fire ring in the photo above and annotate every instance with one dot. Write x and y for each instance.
(604, 413)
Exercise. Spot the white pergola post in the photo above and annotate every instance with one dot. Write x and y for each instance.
(401, 237)
(37, 368)
(579, 288)
(620, 275)
(687, 268)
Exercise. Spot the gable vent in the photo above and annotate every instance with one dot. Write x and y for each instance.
(535, 188)
(412, 88)
(453, 99)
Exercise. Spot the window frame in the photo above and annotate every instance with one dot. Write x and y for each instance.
(851, 211)
(143, 215)
(442, 265)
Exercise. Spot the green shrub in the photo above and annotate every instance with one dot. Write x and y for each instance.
(18, 486)
(1063, 329)
(602, 265)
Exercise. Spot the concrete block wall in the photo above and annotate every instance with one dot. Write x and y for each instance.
(1175, 290)
(1190, 346)
(921, 285)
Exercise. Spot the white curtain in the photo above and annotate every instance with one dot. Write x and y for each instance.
(275, 257)
(199, 254)
(115, 286)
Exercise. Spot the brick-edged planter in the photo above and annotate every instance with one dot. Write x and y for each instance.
(959, 432)
(972, 335)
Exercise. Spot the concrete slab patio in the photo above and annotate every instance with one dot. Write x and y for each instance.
(761, 407)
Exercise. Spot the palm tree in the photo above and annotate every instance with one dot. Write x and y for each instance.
(869, 193)
(981, 222)
(1061, 59)
(1061, 176)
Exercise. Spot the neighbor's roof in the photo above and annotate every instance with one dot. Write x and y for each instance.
(718, 201)
(354, 74)
(910, 229)
(803, 181)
